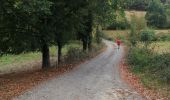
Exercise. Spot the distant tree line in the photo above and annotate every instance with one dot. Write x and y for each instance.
(140, 5)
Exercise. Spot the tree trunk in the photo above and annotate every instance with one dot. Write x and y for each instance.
(90, 29)
(59, 52)
(84, 45)
(89, 46)
(45, 56)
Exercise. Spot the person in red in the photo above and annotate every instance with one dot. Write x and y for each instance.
(118, 42)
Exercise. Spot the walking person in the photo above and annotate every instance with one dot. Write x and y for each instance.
(118, 42)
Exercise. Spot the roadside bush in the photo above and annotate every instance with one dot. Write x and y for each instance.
(160, 67)
(145, 62)
(147, 36)
(138, 58)
(75, 55)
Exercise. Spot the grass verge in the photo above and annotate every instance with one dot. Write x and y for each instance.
(152, 66)
(14, 63)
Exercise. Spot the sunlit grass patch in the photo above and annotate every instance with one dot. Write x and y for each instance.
(16, 61)
(158, 47)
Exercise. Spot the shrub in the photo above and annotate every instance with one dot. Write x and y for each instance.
(147, 36)
(75, 54)
(160, 67)
(139, 58)
(156, 66)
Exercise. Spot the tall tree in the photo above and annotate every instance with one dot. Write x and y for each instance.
(27, 25)
(156, 14)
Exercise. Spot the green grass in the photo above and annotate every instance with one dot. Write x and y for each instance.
(7, 60)
(10, 59)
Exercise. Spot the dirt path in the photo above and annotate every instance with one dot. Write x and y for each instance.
(97, 79)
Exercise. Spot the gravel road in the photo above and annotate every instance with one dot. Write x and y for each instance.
(97, 79)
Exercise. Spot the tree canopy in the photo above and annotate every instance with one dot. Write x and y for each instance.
(35, 25)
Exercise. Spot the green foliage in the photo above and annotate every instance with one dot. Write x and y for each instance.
(136, 4)
(147, 35)
(76, 54)
(136, 25)
(153, 68)
(146, 62)
(35, 25)
(138, 58)
(133, 31)
(24, 17)
(156, 14)
(159, 67)
(120, 21)
(7, 60)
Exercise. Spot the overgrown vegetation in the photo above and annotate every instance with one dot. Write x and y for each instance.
(75, 55)
(152, 68)
(148, 59)
(147, 36)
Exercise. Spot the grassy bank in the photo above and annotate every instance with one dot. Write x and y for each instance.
(10, 62)
(152, 65)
